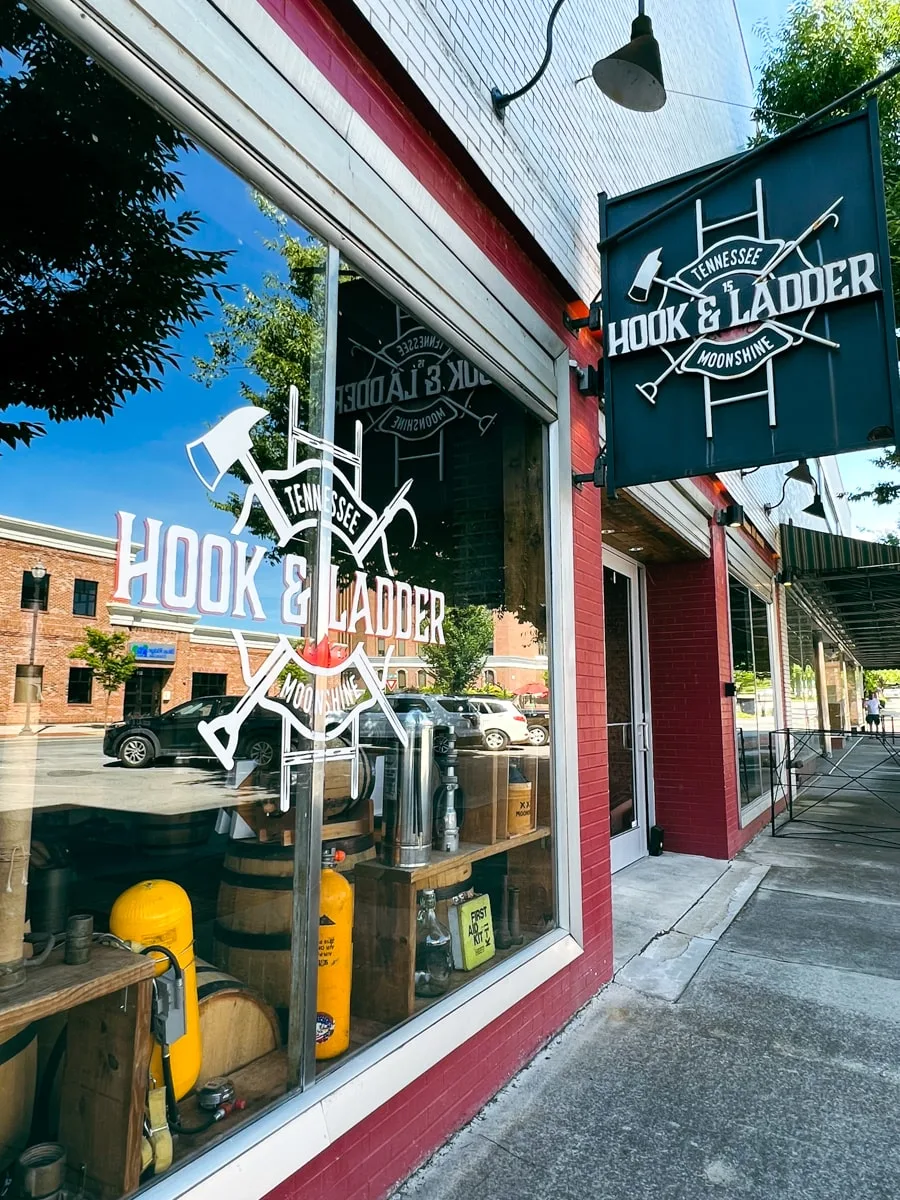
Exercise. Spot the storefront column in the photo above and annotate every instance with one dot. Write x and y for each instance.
(822, 689)
(695, 772)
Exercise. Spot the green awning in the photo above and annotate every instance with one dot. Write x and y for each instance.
(857, 582)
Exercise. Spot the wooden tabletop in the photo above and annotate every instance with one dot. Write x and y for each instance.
(55, 987)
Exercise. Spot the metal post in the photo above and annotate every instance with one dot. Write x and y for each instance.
(35, 609)
(309, 780)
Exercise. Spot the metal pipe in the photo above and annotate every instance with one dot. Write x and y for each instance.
(499, 99)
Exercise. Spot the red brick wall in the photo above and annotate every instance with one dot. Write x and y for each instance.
(59, 631)
(693, 721)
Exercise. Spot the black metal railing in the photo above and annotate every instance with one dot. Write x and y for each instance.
(838, 784)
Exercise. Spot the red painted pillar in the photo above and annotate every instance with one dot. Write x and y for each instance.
(695, 772)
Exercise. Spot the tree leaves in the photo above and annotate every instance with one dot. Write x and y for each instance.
(97, 279)
(469, 636)
(823, 50)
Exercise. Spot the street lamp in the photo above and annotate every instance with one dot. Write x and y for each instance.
(38, 571)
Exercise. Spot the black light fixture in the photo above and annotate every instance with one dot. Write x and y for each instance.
(631, 76)
(816, 508)
(785, 577)
(732, 516)
(800, 474)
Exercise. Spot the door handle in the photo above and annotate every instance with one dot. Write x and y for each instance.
(644, 745)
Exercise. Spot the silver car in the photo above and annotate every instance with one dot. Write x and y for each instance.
(447, 712)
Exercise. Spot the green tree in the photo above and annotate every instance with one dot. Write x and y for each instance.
(96, 274)
(273, 336)
(468, 635)
(108, 657)
(823, 50)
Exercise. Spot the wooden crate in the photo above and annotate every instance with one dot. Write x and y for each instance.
(384, 925)
(483, 776)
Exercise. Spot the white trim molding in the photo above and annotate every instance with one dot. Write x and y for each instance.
(54, 537)
(150, 618)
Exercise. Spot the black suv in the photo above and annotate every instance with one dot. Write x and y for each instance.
(140, 741)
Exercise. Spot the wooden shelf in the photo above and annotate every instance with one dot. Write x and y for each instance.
(259, 1083)
(468, 852)
(384, 917)
(55, 986)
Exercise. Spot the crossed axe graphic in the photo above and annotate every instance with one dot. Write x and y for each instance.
(229, 442)
(222, 734)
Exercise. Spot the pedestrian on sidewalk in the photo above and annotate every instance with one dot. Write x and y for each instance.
(873, 712)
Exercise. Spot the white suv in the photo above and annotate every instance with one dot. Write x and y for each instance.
(502, 722)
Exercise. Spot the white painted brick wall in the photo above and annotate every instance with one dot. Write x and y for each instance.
(564, 142)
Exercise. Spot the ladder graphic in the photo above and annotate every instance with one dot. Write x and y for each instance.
(757, 215)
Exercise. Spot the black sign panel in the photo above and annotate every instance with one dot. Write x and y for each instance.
(754, 323)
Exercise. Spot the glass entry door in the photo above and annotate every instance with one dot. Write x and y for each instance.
(627, 717)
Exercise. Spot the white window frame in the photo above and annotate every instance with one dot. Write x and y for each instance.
(231, 77)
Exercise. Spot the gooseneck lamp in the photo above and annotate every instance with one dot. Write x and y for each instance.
(800, 474)
(631, 76)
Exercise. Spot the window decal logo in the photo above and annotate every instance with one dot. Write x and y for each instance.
(295, 498)
(325, 686)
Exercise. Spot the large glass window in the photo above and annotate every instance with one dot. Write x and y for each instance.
(754, 689)
(804, 703)
(299, 482)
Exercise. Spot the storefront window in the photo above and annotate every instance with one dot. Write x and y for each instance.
(755, 694)
(804, 704)
(295, 483)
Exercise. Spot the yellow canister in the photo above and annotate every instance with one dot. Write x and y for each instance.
(335, 960)
(158, 913)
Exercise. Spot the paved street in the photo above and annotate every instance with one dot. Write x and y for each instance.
(73, 770)
(774, 1074)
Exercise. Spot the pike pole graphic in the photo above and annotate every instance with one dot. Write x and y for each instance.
(714, 279)
(335, 687)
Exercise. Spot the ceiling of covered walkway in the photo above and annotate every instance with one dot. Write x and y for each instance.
(857, 582)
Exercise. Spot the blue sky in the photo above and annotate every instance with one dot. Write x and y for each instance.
(870, 520)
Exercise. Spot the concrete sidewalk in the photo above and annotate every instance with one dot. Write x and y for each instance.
(772, 1070)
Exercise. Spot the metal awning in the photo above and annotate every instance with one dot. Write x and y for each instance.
(857, 581)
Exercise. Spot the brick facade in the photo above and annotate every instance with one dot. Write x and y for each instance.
(59, 631)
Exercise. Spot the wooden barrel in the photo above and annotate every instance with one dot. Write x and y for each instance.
(453, 882)
(520, 815)
(172, 833)
(338, 800)
(237, 1026)
(18, 1075)
(252, 932)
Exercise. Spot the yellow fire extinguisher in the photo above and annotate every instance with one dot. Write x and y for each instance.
(158, 913)
(335, 959)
